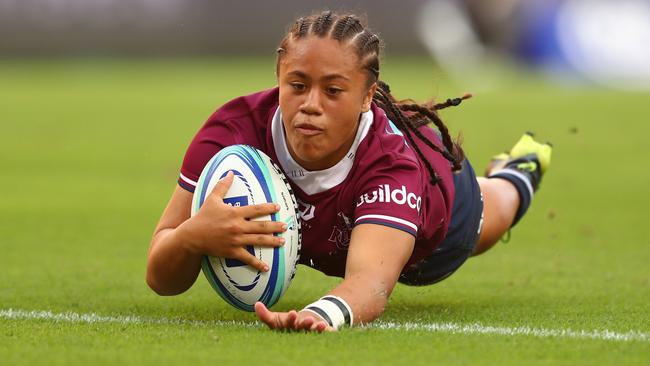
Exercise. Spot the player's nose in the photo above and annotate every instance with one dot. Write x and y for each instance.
(312, 102)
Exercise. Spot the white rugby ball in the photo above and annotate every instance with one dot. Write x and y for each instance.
(256, 180)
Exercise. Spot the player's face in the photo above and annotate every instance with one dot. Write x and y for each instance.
(323, 91)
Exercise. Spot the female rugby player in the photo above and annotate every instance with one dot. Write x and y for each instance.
(383, 196)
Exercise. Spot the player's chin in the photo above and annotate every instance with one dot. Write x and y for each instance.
(310, 152)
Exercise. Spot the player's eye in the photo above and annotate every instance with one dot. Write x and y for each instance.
(333, 90)
(298, 86)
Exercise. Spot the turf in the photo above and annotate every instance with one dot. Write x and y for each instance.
(90, 151)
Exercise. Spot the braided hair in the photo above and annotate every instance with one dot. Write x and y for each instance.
(407, 115)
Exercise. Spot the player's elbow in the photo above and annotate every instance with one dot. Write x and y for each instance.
(159, 287)
(155, 286)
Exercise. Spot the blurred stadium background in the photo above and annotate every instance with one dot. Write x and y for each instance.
(599, 41)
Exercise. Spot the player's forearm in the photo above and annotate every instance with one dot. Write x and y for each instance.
(171, 267)
(366, 296)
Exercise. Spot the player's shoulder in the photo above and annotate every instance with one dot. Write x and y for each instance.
(386, 144)
(385, 158)
(256, 107)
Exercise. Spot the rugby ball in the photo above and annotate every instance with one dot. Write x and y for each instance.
(257, 180)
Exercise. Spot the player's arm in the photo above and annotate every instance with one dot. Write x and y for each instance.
(375, 260)
(179, 242)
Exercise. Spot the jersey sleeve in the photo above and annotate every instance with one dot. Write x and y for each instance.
(211, 138)
(391, 195)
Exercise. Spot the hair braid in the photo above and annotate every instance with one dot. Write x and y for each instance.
(323, 24)
(346, 27)
(406, 126)
(370, 43)
(452, 154)
(303, 27)
(446, 140)
(362, 40)
(451, 102)
(341, 26)
(423, 116)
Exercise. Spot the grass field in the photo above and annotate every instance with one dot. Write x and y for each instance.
(90, 151)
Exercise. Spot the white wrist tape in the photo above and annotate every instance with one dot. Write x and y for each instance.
(333, 309)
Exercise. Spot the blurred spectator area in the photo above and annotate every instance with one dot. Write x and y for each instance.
(598, 41)
(170, 27)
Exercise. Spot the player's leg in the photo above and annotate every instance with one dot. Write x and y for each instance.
(484, 209)
(500, 204)
(511, 182)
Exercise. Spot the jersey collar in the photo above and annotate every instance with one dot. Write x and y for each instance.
(316, 181)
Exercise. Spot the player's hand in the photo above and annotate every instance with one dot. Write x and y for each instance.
(292, 320)
(221, 230)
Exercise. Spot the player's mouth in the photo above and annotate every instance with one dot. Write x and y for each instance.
(307, 129)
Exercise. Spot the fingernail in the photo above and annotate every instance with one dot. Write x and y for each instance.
(284, 227)
(266, 268)
(281, 240)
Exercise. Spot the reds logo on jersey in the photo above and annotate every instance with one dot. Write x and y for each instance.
(385, 194)
(341, 231)
(306, 211)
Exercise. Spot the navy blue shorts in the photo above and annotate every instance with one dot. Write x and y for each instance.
(462, 236)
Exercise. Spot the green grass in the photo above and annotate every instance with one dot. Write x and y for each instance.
(90, 151)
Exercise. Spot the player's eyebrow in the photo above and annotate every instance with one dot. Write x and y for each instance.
(329, 77)
(335, 76)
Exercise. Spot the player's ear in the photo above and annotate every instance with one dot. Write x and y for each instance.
(367, 99)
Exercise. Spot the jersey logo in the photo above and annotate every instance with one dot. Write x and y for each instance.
(341, 231)
(306, 211)
(385, 194)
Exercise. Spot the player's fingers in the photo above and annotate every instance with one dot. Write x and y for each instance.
(313, 324)
(306, 323)
(271, 319)
(292, 318)
(243, 255)
(264, 240)
(319, 327)
(265, 315)
(223, 185)
(262, 209)
(264, 227)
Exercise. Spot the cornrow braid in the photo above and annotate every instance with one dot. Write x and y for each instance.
(370, 43)
(346, 27)
(323, 24)
(303, 27)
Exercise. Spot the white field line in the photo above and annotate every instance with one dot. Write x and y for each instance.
(70, 317)
(453, 328)
(477, 328)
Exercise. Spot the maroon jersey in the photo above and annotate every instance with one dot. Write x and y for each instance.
(380, 181)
